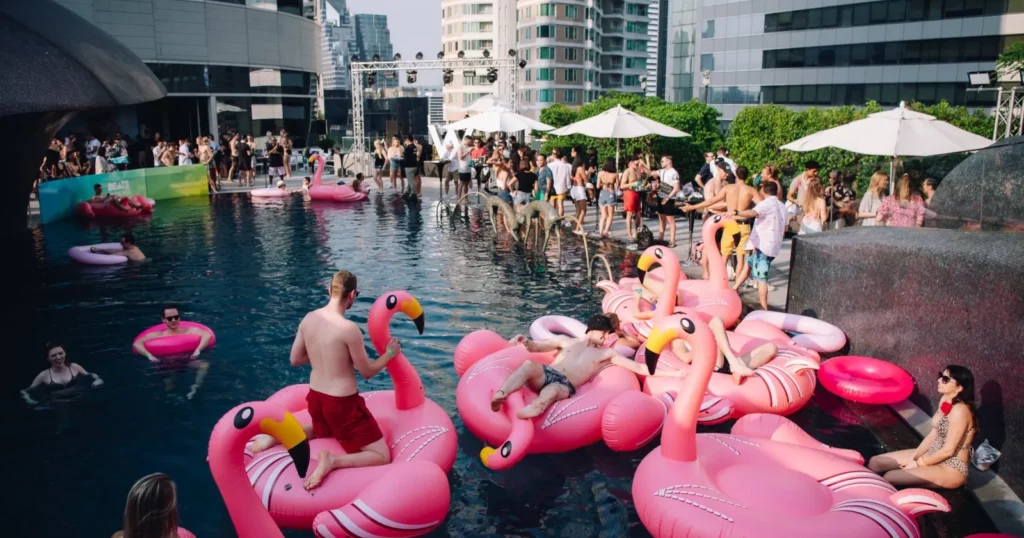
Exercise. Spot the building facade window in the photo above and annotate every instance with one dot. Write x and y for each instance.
(570, 96)
(545, 96)
(545, 74)
(528, 75)
(886, 12)
(631, 80)
(485, 26)
(546, 10)
(571, 54)
(571, 32)
(571, 75)
(572, 12)
(955, 93)
(636, 44)
(529, 95)
(477, 9)
(929, 51)
(636, 27)
(546, 53)
(636, 63)
(636, 9)
(547, 30)
(526, 33)
(477, 44)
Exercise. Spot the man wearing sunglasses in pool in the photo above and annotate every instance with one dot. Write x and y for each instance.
(172, 319)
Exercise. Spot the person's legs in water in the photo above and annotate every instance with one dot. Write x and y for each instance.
(201, 368)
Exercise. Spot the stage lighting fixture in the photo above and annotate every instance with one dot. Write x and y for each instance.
(462, 54)
(511, 53)
(398, 57)
(487, 53)
(419, 55)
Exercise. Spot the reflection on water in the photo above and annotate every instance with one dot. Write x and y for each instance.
(251, 271)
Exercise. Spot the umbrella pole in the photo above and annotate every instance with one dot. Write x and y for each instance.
(618, 147)
(892, 174)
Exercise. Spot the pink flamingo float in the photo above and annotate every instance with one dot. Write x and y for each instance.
(767, 478)
(609, 407)
(709, 298)
(331, 193)
(407, 497)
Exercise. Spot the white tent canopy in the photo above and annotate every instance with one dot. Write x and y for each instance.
(488, 102)
(618, 123)
(498, 120)
(899, 132)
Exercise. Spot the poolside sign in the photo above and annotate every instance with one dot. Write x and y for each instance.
(57, 199)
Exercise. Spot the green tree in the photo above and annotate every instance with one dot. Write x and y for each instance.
(1012, 59)
(693, 117)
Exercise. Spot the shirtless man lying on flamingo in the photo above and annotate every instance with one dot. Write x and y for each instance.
(578, 361)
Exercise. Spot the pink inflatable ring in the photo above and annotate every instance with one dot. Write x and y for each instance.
(866, 380)
(178, 344)
(269, 193)
(84, 255)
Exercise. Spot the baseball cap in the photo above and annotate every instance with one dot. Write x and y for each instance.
(280, 183)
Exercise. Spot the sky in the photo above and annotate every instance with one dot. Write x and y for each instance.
(415, 27)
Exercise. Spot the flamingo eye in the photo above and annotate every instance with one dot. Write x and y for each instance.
(718, 219)
(392, 302)
(658, 254)
(687, 325)
(243, 417)
(506, 449)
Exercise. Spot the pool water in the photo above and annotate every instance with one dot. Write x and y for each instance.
(251, 271)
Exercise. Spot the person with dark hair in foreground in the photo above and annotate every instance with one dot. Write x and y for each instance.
(578, 361)
(942, 458)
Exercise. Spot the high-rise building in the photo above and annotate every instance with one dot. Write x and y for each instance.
(374, 39)
(338, 44)
(575, 49)
(841, 52)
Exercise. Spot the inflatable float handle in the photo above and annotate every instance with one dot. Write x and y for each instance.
(519, 440)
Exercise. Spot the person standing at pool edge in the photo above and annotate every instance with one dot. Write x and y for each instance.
(333, 346)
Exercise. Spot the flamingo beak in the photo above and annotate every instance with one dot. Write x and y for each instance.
(644, 264)
(656, 342)
(487, 452)
(411, 307)
(290, 434)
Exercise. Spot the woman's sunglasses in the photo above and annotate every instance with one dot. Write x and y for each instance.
(944, 378)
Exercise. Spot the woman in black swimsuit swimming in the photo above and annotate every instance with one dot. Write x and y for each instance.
(60, 376)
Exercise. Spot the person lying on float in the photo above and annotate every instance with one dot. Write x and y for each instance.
(578, 361)
(128, 249)
(113, 200)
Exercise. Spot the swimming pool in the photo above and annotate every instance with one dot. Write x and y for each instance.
(251, 271)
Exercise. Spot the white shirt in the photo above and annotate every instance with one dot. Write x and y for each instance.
(156, 156)
(769, 228)
(464, 163)
(561, 173)
(452, 156)
(183, 158)
(670, 177)
(91, 147)
(103, 166)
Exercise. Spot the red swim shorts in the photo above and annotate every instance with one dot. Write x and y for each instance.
(631, 200)
(344, 418)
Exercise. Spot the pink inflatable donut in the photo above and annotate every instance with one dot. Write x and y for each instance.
(269, 193)
(84, 255)
(178, 344)
(866, 380)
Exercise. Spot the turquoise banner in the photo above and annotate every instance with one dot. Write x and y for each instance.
(57, 199)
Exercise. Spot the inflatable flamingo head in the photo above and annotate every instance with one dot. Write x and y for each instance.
(672, 328)
(655, 256)
(392, 303)
(247, 420)
(712, 225)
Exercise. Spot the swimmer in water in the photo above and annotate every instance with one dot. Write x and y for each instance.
(60, 377)
(128, 249)
(172, 319)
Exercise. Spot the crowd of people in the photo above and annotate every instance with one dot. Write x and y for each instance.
(231, 157)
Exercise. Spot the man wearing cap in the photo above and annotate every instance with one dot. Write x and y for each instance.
(578, 361)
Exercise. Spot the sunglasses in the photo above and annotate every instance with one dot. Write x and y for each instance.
(944, 378)
(172, 318)
(357, 293)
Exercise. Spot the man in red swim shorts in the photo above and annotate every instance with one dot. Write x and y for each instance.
(334, 347)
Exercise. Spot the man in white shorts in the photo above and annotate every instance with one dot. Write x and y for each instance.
(561, 172)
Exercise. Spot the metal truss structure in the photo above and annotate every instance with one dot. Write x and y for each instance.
(1009, 113)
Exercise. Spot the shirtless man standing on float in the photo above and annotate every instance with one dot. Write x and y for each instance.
(738, 196)
(578, 361)
(334, 347)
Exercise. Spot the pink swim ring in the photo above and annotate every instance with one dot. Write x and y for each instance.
(866, 380)
(178, 344)
(269, 193)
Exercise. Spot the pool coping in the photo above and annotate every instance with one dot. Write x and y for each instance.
(994, 495)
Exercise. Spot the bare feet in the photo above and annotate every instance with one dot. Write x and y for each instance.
(498, 400)
(261, 442)
(530, 411)
(324, 466)
(738, 375)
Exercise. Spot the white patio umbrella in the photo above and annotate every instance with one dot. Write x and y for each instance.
(618, 123)
(895, 133)
(486, 103)
(498, 120)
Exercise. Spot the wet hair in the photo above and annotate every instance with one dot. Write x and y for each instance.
(307, 178)
(343, 284)
(742, 173)
(614, 319)
(151, 510)
(812, 165)
(97, 186)
(931, 182)
(965, 378)
(609, 165)
(770, 188)
(773, 171)
(163, 313)
(50, 346)
(599, 322)
(128, 237)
